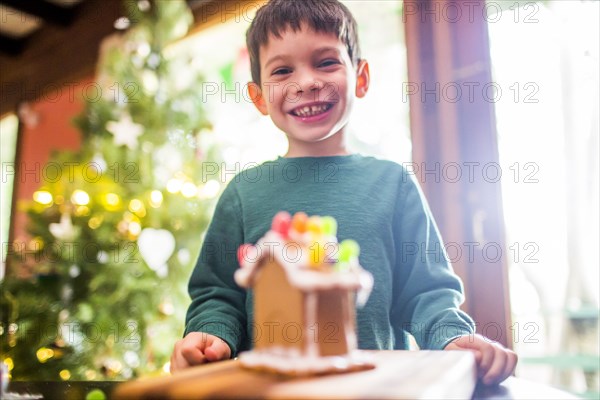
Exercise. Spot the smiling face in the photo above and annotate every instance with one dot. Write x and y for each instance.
(308, 88)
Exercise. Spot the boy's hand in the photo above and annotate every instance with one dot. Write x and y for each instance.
(198, 348)
(495, 363)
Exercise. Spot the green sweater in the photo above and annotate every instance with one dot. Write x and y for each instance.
(375, 202)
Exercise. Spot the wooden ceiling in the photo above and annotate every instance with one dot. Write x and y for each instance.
(48, 43)
(21, 19)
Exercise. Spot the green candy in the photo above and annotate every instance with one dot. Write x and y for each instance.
(348, 249)
(95, 394)
(329, 225)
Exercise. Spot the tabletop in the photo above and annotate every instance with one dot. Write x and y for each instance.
(422, 374)
(397, 375)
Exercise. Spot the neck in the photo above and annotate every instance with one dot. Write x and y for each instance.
(332, 146)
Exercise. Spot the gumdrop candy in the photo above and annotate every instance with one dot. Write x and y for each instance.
(314, 225)
(348, 250)
(329, 226)
(242, 253)
(299, 222)
(281, 223)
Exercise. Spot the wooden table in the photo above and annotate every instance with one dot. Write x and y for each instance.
(398, 375)
(511, 389)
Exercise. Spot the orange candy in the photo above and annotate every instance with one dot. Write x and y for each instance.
(299, 222)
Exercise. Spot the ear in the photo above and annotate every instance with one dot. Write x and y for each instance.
(257, 98)
(362, 78)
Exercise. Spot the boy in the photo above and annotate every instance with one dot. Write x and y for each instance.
(306, 72)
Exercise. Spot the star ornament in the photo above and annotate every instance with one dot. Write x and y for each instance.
(126, 131)
(64, 230)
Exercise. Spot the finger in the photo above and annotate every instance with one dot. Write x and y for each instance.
(511, 363)
(172, 366)
(495, 373)
(454, 346)
(485, 362)
(482, 349)
(177, 361)
(478, 356)
(218, 350)
(191, 352)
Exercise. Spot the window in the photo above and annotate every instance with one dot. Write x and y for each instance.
(9, 128)
(545, 61)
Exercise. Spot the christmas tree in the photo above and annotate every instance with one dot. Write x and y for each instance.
(100, 289)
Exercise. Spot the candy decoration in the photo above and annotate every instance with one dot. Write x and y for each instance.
(299, 222)
(329, 226)
(314, 235)
(281, 223)
(95, 394)
(316, 254)
(348, 251)
(314, 225)
(242, 253)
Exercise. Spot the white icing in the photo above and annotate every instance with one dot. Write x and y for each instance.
(291, 361)
(297, 270)
(311, 346)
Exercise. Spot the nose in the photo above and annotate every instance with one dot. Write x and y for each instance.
(308, 81)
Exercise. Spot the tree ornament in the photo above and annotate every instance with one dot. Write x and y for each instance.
(126, 131)
(156, 247)
(64, 230)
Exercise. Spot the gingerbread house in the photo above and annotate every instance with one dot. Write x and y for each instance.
(305, 286)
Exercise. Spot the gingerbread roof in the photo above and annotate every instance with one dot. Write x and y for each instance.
(308, 251)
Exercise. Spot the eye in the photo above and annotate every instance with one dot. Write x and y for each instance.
(328, 62)
(281, 71)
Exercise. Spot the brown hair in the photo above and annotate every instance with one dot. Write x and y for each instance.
(328, 16)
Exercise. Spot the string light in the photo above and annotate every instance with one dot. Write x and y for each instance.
(37, 243)
(43, 197)
(80, 198)
(174, 185)
(95, 222)
(82, 211)
(136, 205)
(167, 367)
(90, 375)
(44, 354)
(156, 198)
(122, 23)
(112, 200)
(209, 190)
(189, 190)
(134, 228)
(65, 375)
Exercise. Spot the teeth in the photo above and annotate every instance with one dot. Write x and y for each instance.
(308, 111)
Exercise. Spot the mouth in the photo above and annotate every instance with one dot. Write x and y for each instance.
(312, 110)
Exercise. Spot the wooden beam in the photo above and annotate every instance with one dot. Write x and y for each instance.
(208, 13)
(57, 55)
(45, 10)
(455, 149)
(12, 46)
(60, 56)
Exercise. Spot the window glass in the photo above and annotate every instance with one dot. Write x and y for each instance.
(8, 129)
(545, 63)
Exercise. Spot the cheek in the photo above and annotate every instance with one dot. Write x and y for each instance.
(288, 92)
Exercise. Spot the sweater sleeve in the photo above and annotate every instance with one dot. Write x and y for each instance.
(218, 303)
(427, 291)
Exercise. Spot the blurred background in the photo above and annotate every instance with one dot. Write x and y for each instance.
(121, 122)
